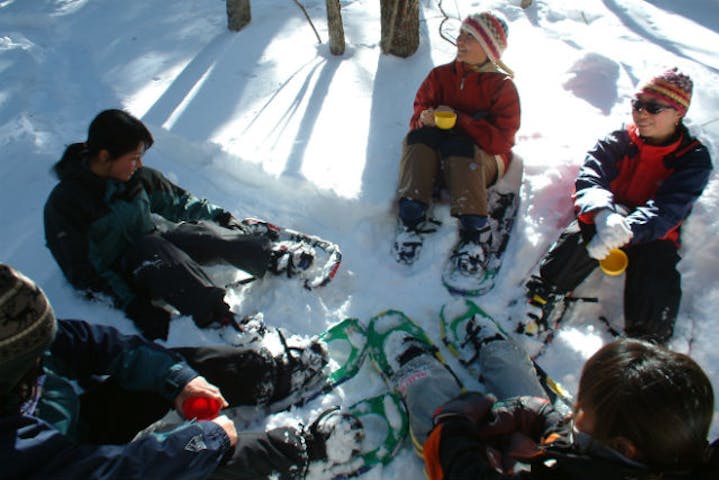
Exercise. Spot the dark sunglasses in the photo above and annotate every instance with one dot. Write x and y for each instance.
(651, 108)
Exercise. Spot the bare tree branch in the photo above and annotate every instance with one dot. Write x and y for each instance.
(302, 7)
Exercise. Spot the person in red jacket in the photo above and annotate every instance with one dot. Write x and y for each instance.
(466, 158)
(634, 191)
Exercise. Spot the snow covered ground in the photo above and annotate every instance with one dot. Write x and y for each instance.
(267, 123)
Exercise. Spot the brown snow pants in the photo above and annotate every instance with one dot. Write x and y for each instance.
(431, 156)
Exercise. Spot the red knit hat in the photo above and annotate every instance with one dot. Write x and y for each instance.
(672, 87)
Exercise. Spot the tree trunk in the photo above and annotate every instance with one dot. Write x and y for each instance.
(335, 27)
(400, 27)
(238, 14)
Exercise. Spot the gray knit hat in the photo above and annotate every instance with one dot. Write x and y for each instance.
(27, 326)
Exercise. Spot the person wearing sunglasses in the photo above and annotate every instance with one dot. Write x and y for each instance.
(642, 412)
(635, 189)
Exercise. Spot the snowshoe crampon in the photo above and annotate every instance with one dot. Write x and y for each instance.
(503, 211)
(347, 347)
(465, 327)
(345, 344)
(342, 347)
(385, 333)
(386, 424)
(503, 203)
(328, 255)
(411, 365)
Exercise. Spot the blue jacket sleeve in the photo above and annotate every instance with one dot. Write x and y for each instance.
(30, 448)
(592, 187)
(81, 350)
(674, 199)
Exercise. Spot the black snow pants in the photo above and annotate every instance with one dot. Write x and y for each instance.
(652, 288)
(109, 414)
(167, 265)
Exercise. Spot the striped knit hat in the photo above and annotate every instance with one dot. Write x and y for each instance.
(491, 30)
(27, 326)
(672, 87)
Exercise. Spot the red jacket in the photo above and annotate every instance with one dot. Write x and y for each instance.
(486, 102)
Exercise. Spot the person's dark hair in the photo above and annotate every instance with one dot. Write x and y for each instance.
(660, 400)
(113, 130)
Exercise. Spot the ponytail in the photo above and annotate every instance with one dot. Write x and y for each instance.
(72, 153)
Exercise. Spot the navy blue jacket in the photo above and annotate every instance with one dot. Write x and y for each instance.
(44, 444)
(659, 184)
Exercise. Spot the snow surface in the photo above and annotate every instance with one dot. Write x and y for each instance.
(267, 123)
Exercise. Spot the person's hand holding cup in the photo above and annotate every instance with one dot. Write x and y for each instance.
(615, 263)
(200, 399)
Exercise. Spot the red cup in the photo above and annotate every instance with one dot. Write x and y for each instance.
(201, 408)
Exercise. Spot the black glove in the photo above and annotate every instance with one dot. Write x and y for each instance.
(225, 219)
(153, 322)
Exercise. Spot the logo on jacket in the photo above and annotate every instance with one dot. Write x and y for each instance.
(196, 444)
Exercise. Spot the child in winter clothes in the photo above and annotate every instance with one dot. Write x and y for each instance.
(47, 430)
(467, 158)
(636, 188)
(642, 412)
(100, 228)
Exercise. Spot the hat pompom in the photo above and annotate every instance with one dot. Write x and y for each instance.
(672, 87)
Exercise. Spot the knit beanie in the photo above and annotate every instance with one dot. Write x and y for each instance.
(27, 326)
(491, 31)
(671, 87)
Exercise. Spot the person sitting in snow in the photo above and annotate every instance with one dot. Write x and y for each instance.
(642, 412)
(467, 158)
(101, 226)
(49, 430)
(634, 191)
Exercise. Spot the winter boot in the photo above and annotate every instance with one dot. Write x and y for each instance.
(291, 258)
(466, 267)
(478, 332)
(408, 240)
(333, 439)
(301, 373)
(247, 331)
(539, 318)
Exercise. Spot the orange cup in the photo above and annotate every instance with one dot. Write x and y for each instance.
(615, 263)
(445, 120)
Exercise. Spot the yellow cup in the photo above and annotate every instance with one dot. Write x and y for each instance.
(445, 120)
(615, 263)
